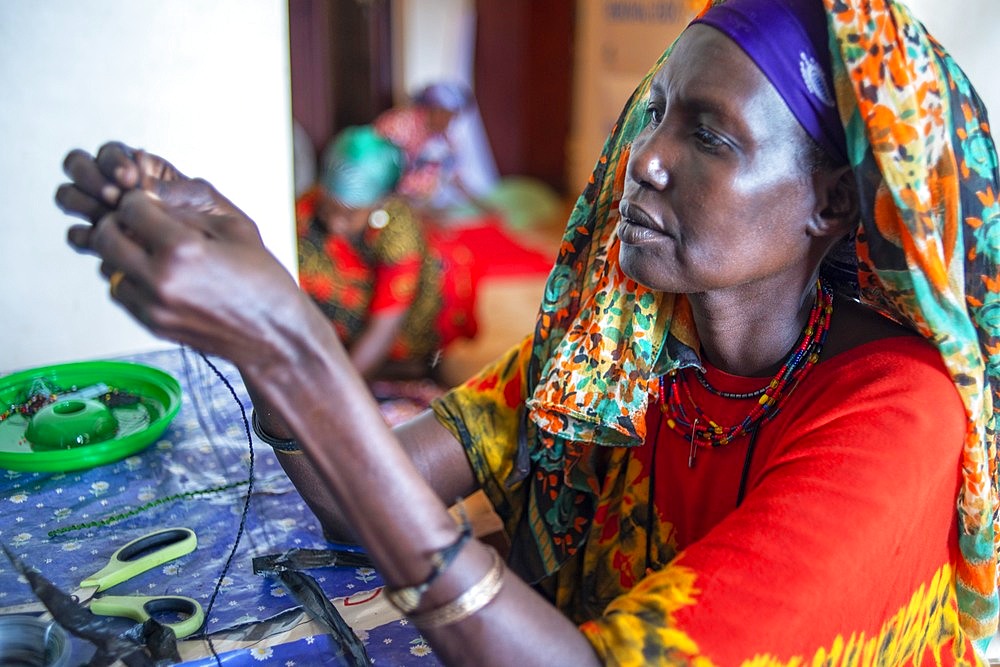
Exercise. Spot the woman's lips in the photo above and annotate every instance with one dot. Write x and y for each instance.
(636, 226)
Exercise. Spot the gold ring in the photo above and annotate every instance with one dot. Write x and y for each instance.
(115, 280)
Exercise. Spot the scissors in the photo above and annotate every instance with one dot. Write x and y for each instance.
(140, 555)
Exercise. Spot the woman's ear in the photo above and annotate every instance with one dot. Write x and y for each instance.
(837, 207)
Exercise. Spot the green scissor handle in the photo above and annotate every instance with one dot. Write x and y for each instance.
(141, 608)
(142, 554)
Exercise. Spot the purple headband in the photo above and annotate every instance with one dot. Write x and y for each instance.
(451, 96)
(788, 41)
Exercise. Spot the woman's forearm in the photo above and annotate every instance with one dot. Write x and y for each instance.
(518, 627)
(432, 448)
(299, 470)
(311, 392)
(396, 515)
(371, 349)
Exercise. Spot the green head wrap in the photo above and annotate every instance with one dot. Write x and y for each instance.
(360, 166)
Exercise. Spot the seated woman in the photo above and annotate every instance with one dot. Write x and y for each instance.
(396, 294)
(711, 449)
(449, 176)
(432, 178)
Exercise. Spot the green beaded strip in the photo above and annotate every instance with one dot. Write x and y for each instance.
(115, 518)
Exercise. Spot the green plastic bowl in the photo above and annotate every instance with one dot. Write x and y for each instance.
(77, 434)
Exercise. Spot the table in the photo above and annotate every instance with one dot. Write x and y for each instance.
(66, 525)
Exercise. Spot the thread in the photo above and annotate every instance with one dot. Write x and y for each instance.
(243, 514)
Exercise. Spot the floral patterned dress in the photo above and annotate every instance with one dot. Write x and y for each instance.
(402, 265)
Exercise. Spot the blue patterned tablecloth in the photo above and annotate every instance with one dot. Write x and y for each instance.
(204, 448)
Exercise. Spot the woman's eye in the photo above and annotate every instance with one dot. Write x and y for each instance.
(708, 139)
(655, 114)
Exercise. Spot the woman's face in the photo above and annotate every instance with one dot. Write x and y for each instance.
(716, 194)
(340, 219)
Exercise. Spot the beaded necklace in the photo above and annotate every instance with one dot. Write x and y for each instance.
(704, 431)
(703, 381)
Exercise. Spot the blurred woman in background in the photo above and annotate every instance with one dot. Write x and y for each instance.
(395, 293)
(432, 174)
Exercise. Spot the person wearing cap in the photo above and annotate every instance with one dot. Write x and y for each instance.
(755, 422)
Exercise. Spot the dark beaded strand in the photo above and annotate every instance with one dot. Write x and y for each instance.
(703, 381)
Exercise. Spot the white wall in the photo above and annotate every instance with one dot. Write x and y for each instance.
(433, 41)
(968, 30)
(202, 82)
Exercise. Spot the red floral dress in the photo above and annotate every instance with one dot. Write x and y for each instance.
(403, 265)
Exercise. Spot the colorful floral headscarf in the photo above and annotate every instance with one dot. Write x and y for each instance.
(927, 253)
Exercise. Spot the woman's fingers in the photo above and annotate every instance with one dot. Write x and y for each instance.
(111, 241)
(96, 183)
(78, 236)
(153, 224)
(87, 177)
(172, 248)
(117, 164)
(143, 276)
(74, 201)
(134, 167)
(159, 228)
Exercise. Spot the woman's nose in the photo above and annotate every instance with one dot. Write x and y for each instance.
(647, 164)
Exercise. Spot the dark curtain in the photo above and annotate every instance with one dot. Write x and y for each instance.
(341, 55)
(523, 71)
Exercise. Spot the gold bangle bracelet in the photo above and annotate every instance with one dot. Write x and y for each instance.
(468, 603)
(407, 599)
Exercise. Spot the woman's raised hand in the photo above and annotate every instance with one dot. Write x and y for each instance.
(180, 257)
(98, 184)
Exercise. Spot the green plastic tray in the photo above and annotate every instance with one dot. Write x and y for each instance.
(160, 397)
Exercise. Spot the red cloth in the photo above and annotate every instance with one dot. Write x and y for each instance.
(395, 285)
(497, 252)
(844, 548)
(849, 512)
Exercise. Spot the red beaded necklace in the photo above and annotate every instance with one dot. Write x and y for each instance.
(704, 431)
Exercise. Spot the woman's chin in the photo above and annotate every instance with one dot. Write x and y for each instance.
(645, 268)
